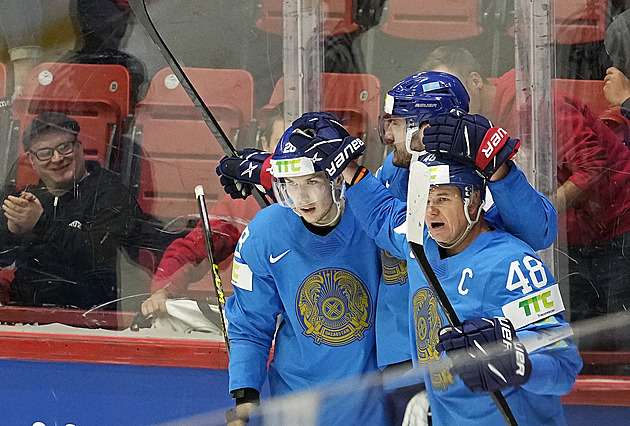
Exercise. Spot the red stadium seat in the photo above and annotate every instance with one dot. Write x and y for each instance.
(178, 150)
(356, 100)
(97, 96)
(433, 19)
(337, 17)
(580, 21)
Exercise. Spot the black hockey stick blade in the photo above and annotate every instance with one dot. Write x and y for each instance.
(140, 10)
(216, 277)
(417, 197)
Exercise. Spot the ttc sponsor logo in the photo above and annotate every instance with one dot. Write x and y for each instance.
(535, 302)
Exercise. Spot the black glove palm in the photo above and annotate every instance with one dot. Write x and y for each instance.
(238, 175)
(486, 354)
(470, 139)
(321, 137)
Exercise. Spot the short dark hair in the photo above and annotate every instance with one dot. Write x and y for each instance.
(456, 59)
(46, 122)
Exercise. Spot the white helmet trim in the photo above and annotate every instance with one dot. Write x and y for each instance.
(300, 166)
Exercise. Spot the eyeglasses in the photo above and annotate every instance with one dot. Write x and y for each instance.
(46, 154)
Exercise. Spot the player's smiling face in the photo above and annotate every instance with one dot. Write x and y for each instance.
(445, 214)
(312, 198)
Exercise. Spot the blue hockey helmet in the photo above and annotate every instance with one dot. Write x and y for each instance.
(452, 173)
(295, 155)
(420, 97)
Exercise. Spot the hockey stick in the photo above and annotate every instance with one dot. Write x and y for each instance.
(139, 7)
(218, 287)
(416, 207)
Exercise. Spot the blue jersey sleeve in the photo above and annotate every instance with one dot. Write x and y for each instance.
(252, 314)
(554, 367)
(522, 211)
(381, 215)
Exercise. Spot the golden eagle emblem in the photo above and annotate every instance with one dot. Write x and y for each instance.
(334, 307)
(394, 270)
(428, 322)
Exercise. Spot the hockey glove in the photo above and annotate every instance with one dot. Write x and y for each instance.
(321, 137)
(470, 139)
(486, 354)
(238, 175)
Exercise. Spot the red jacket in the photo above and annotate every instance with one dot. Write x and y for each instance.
(228, 219)
(589, 155)
(619, 124)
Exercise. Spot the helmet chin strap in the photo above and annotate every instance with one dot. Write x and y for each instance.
(341, 207)
(410, 133)
(471, 223)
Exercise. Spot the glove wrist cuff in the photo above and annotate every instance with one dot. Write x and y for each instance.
(265, 174)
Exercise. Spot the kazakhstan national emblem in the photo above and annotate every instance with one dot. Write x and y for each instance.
(428, 322)
(394, 270)
(334, 307)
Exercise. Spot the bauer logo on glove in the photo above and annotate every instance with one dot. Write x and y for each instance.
(486, 354)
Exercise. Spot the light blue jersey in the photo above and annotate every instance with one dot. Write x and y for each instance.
(392, 325)
(499, 275)
(324, 288)
(537, 225)
(383, 217)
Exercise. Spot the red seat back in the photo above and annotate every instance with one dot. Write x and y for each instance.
(433, 19)
(97, 96)
(179, 151)
(354, 98)
(337, 17)
(580, 21)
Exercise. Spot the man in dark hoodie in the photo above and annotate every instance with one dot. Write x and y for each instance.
(63, 234)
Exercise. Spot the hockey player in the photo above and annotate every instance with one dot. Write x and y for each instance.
(408, 106)
(306, 259)
(383, 217)
(494, 281)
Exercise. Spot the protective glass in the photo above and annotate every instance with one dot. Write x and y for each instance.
(303, 191)
(391, 128)
(46, 154)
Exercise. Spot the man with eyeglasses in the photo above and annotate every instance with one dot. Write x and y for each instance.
(63, 234)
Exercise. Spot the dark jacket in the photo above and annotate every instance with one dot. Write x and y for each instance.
(69, 258)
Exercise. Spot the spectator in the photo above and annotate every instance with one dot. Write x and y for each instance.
(616, 83)
(592, 198)
(65, 232)
(102, 25)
